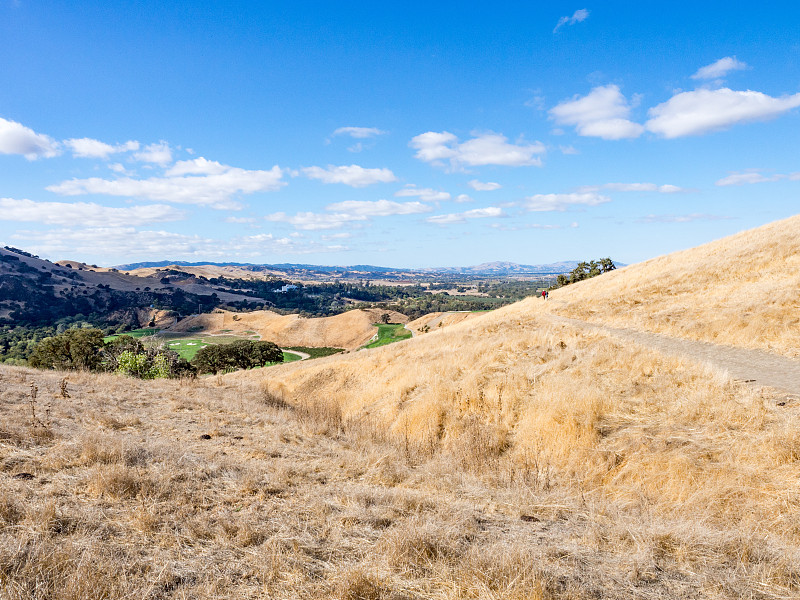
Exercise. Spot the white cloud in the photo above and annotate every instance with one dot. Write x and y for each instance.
(378, 208)
(568, 150)
(424, 194)
(352, 175)
(602, 113)
(89, 148)
(475, 213)
(701, 111)
(751, 176)
(720, 68)
(561, 202)
(213, 185)
(483, 149)
(160, 154)
(315, 221)
(85, 214)
(360, 133)
(633, 187)
(121, 244)
(480, 186)
(461, 198)
(578, 16)
(15, 138)
(345, 213)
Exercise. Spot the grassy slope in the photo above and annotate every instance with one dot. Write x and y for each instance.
(349, 330)
(610, 422)
(389, 333)
(741, 290)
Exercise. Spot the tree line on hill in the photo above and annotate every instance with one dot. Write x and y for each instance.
(585, 270)
(85, 349)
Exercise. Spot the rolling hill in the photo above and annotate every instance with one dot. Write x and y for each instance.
(513, 455)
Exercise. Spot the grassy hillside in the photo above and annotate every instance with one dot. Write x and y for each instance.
(741, 291)
(348, 330)
(508, 456)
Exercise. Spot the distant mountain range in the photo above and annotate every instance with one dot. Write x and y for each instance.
(490, 268)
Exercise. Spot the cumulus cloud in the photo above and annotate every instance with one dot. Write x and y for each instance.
(633, 187)
(751, 176)
(579, 16)
(480, 186)
(85, 214)
(461, 198)
(475, 213)
(604, 112)
(160, 154)
(561, 202)
(198, 181)
(440, 148)
(15, 138)
(360, 133)
(352, 175)
(720, 68)
(424, 194)
(701, 111)
(89, 148)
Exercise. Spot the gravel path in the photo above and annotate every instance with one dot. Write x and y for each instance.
(752, 366)
(302, 355)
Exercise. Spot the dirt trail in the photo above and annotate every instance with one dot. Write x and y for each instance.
(752, 366)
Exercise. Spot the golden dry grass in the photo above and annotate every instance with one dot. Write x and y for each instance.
(740, 291)
(505, 457)
(348, 330)
(437, 320)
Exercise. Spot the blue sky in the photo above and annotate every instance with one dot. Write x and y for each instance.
(412, 134)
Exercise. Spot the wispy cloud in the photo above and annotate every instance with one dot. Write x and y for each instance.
(89, 148)
(341, 214)
(198, 181)
(578, 16)
(360, 133)
(702, 111)
(443, 148)
(475, 213)
(750, 176)
(424, 194)
(86, 214)
(633, 187)
(604, 112)
(159, 153)
(15, 138)
(480, 186)
(561, 202)
(352, 175)
(720, 68)
(118, 244)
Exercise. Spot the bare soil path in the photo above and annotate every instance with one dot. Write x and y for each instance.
(751, 366)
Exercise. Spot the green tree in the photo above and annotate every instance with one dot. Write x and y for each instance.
(75, 349)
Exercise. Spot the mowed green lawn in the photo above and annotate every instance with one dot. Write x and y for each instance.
(389, 333)
(136, 333)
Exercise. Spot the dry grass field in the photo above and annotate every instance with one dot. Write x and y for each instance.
(348, 330)
(437, 320)
(506, 457)
(741, 291)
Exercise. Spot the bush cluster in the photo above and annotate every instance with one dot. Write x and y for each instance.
(85, 350)
(243, 354)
